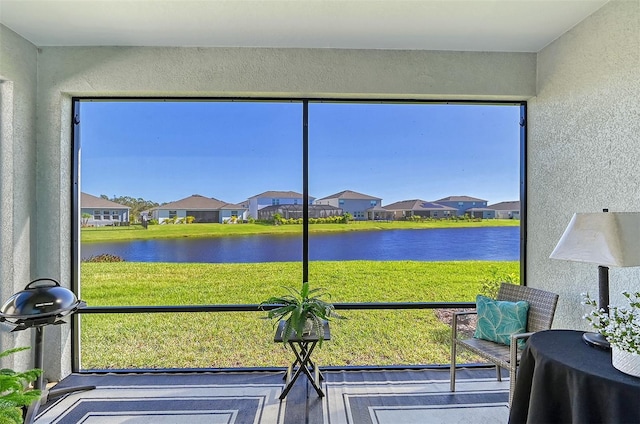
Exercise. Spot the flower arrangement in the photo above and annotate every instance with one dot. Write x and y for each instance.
(621, 326)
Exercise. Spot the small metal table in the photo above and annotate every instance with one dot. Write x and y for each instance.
(303, 348)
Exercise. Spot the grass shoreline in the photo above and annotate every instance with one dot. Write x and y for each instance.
(136, 232)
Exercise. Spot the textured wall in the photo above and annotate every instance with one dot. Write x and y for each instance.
(584, 147)
(287, 72)
(17, 175)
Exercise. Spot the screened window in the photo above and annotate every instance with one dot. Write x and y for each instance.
(395, 233)
(171, 161)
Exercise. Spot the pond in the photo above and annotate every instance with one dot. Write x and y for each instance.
(450, 244)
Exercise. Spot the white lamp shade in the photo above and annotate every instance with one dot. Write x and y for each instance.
(603, 238)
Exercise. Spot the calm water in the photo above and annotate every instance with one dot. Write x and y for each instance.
(490, 243)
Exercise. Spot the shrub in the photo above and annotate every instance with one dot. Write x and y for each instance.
(105, 257)
(491, 284)
(15, 392)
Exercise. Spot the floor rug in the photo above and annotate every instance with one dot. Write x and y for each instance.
(354, 397)
(412, 397)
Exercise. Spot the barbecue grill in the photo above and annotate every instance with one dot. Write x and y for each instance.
(42, 302)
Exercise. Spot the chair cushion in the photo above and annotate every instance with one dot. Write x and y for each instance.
(498, 319)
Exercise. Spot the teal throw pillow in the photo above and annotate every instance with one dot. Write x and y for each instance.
(498, 319)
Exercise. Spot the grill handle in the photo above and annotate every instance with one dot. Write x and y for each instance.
(37, 283)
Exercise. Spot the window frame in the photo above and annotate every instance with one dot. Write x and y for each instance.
(75, 213)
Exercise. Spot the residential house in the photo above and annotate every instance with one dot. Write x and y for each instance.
(379, 213)
(203, 209)
(352, 202)
(273, 198)
(507, 210)
(99, 212)
(409, 208)
(462, 203)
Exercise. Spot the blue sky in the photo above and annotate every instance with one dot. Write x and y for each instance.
(165, 150)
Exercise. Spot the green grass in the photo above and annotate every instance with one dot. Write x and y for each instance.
(136, 232)
(244, 339)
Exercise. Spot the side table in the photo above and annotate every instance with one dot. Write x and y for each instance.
(562, 380)
(302, 347)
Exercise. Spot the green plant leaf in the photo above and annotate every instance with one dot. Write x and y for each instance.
(14, 390)
(297, 307)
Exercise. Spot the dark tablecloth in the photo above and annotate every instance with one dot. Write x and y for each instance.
(563, 380)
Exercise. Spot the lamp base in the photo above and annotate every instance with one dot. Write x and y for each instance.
(596, 340)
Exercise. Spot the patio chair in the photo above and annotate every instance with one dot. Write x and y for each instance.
(542, 307)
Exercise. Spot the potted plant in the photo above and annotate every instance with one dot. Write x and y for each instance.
(304, 311)
(15, 394)
(621, 328)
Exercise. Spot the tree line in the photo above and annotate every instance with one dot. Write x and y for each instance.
(137, 205)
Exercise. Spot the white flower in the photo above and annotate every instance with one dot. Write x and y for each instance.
(621, 326)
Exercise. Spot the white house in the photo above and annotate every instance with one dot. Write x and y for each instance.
(203, 209)
(99, 212)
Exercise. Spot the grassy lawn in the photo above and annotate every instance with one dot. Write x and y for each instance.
(136, 232)
(243, 339)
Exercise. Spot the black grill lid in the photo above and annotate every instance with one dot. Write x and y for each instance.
(41, 298)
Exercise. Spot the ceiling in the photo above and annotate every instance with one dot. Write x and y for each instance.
(465, 25)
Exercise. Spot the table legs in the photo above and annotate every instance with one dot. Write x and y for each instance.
(302, 364)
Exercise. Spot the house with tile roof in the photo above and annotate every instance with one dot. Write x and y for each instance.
(273, 198)
(409, 208)
(462, 203)
(203, 209)
(99, 212)
(507, 210)
(357, 204)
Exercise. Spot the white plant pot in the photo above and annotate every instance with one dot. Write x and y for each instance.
(625, 361)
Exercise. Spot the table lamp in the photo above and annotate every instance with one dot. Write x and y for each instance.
(603, 238)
